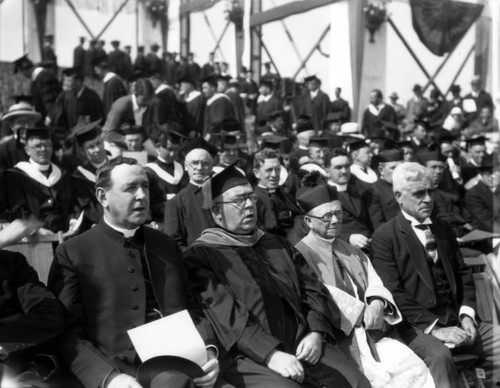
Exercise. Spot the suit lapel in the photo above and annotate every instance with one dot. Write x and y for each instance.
(414, 247)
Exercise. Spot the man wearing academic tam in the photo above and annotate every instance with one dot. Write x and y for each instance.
(276, 323)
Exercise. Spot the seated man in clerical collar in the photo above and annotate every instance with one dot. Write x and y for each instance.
(276, 322)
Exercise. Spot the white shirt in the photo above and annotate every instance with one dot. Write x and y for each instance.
(108, 76)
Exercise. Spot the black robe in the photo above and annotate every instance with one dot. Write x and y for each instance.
(217, 110)
(114, 88)
(45, 89)
(185, 219)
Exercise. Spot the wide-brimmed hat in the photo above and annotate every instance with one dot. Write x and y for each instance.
(171, 370)
(22, 108)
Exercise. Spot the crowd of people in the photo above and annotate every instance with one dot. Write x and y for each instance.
(309, 249)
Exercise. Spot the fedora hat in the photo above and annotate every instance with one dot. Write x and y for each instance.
(168, 371)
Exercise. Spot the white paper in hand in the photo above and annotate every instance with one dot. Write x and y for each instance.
(174, 335)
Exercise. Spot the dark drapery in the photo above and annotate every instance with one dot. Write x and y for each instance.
(441, 24)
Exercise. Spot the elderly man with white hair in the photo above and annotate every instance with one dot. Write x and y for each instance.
(184, 217)
(419, 261)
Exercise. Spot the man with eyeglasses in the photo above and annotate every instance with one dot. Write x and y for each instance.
(275, 320)
(185, 218)
(418, 259)
(359, 292)
(38, 188)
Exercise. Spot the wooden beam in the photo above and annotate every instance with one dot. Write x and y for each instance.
(112, 19)
(286, 10)
(255, 45)
(196, 6)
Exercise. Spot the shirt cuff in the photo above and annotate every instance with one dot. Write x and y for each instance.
(469, 311)
(431, 327)
(214, 348)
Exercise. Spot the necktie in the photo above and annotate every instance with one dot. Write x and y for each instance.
(430, 243)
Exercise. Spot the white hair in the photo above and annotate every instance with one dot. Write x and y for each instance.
(408, 172)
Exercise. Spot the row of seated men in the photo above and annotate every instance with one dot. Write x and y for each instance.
(318, 314)
(37, 187)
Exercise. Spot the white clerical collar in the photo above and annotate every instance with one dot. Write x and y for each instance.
(126, 232)
(328, 241)
(135, 106)
(40, 167)
(267, 189)
(414, 221)
(314, 93)
(36, 72)
(108, 76)
(340, 188)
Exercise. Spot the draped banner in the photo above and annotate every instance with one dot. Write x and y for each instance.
(441, 24)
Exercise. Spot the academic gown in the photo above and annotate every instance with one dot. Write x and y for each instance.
(245, 288)
(275, 211)
(45, 89)
(185, 219)
(484, 206)
(371, 122)
(49, 204)
(265, 108)
(83, 188)
(383, 205)
(114, 88)
(317, 107)
(194, 111)
(342, 106)
(218, 108)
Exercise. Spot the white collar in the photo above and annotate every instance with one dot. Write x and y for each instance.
(414, 221)
(108, 76)
(40, 167)
(215, 97)
(314, 93)
(195, 184)
(126, 232)
(264, 98)
(340, 188)
(375, 110)
(161, 88)
(135, 106)
(369, 176)
(36, 73)
(267, 189)
(192, 95)
(34, 172)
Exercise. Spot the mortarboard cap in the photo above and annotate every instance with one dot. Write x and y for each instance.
(356, 144)
(278, 143)
(87, 132)
(333, 117)
(267, 83)
(71, 71)
(37, 132)
(22, 63)
(227, 179)
(317, 141)
(200, 143)
(230, 124)
(428, 155)
(310, 78)
(171, 132)
(131, 129)
(138, 73)
(211, 80)
(405, 143)
(390, 155)
(304, 123)
(313, 197)
(475, 140)
(488, 163)
(186, 79)
(115, 43)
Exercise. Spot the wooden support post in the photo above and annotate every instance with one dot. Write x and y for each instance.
(80, 19)
(185, 30)
(412, 53)
(312, 51)
(112, 19)
(461, 68)
(255, 41)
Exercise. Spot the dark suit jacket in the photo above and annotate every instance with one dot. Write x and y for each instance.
(400, 260)
(484, 206)
(29, 313)
(45, 89)
(113, 90)
(100, 282)
(79, 56)
(383, 205)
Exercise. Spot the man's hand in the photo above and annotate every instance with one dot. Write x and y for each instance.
(374, 315)
(451, 335)
(211, 369)
(470, 329)
(286, 365)
(309, 349)
(359, 240)
(17, 230)
(123, 381)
